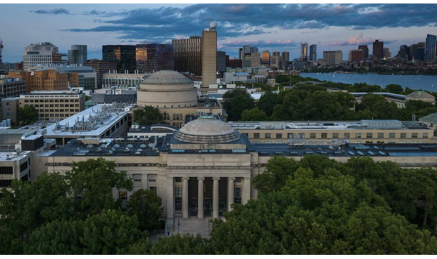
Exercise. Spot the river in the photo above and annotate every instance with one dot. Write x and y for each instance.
(415, 82)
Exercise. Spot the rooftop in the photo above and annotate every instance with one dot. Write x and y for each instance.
(13, 156)
(167, 77)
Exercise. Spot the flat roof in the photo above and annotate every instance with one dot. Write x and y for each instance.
(113, 115)
(12, 156)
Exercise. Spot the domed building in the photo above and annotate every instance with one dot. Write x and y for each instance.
(175, 96)
(167, 89)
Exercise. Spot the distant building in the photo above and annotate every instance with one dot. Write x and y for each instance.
(209, 56)
(265, 58)
(9, 110)
(303, 51)
(378, 49)
(387, 53)
(40, 54)
(115, 95)
(333, 57)
(313, 52)
(221, 61)
(275, 60)
(121, 80)
(102, 67)
(404, 52)
(188, 55)
(430, 45)
(46, 79)
(285, 59)
(417, 51)
(154, 57)
(1, 57)
(123, 55)
(12, 87)
(234, 63)
(356, 55)
(365, 51)
(78, 55)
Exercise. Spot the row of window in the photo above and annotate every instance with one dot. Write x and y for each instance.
(57, 110)
(52, 100)
(380, 135)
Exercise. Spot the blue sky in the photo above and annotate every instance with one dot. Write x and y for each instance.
(270, 27)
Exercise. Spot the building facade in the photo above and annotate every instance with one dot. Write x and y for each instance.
(40, 54)
(313, 52)
(78, 55)
(188, 55)
(154, 57)
(46, 79)
(378, 49)
(332, 57)
(356, 55)
(303, 51)
(209, 56)
(12, 87)
(265, 58)
(365, 49)
(102, 67)
(430, 45)
(123, 55)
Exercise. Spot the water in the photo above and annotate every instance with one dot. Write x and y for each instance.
(415, 82)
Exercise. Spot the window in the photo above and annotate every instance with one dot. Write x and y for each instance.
(237, 197)
(137, 177)
(369, 135)
(153, 189)
(290, 135)
(414, 135)
(324, 135)
(425, 135)
(6, 170)
(23, 166)
(334, 135)
(268, 135)
(152, 177)
(312, 135)
(278, 135)
(122, 195)
(5, 183)
(357, 135)
(380, 135)
(391, 135)
(404, 135)
(347, 135)
(255, 135)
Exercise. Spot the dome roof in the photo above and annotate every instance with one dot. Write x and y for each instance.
(167, 77)
(207, 129)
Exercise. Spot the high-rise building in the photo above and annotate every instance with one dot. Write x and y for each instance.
(249, 55)
(387, 53)
(123, 55)
(285, 59)
(275, 60)
(313, 52)
(102, 67)
(356, 55)
(333, 57)
(188, 55)
(78, 55)
(365, 51)
(1, 57)
(40, 54)
(304, 51)
(378, 49)
(265, 58)
(404, 52)
(154, 57)
(430, 47)
(209, 56)
(221, 61)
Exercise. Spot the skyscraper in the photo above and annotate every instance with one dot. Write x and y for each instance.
(154, 57)
(313, 52)
(188, 55)
(77, 55)
(124, 55)
(356, 55)
(430, 47)
(101, 67)
(332, 57)
(209, 56)
(275, 60)
(365, 51)
(40, 54)
(304, 51)
(265, 58)
(249, 55)
(1, 57)
(285, 59)
(387, 53)
(378, 49)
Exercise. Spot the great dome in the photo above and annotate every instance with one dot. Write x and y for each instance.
(167, 89)
(207, 129)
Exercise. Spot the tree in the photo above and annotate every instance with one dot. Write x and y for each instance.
(394, 88)
(92, 182)
(148, 115)
(181, 245)
(147, 206)
(267, 102)
(27, 115)
(254, 114)
(235, 102)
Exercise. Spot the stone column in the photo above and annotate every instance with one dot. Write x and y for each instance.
(215, 198)
(200, 198)
(246, 190)
(231, 192)
(185, 197)
(170, 198)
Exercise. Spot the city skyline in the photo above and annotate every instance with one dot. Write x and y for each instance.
(272, 27)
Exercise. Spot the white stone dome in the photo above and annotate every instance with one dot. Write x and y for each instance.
(167, 77)
(207, 129)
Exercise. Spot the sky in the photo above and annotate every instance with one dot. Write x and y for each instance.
(272, 27)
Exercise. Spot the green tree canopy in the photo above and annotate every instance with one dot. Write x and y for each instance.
(181, 245)
(394, 88)
(147, 206)
(254, 114)
(27, 115)
(147, 116)
(235, 102)
(267, 102)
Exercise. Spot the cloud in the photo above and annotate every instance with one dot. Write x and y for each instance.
(54, 11)
(105, 14)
